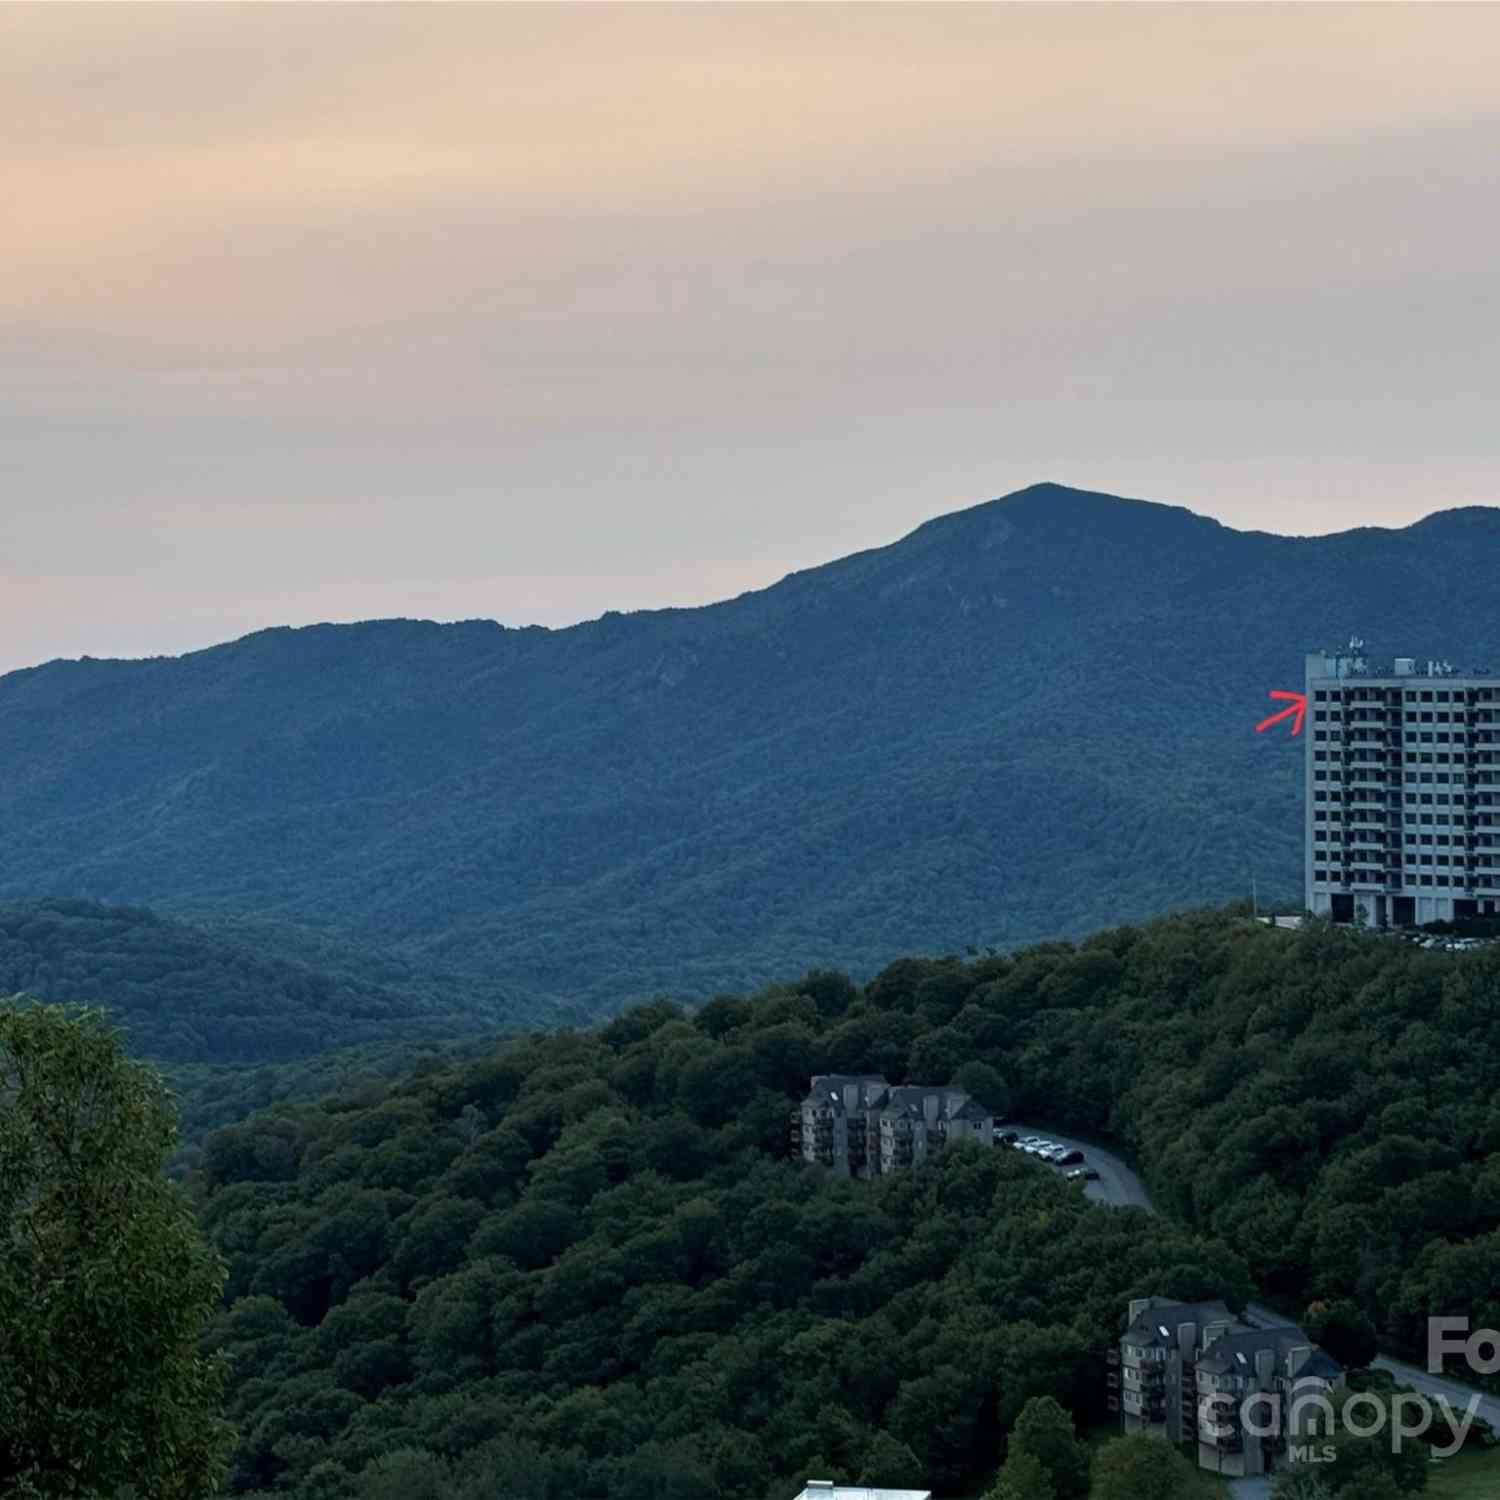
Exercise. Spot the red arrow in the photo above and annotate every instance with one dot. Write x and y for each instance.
(1298, 706)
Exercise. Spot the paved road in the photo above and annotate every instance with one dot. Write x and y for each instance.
(1456, 1394)
(1120, 1186)
(1256, 1487)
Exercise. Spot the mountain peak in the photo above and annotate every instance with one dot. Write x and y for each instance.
(1461, 518)
(1032, 716)
(1049, 513)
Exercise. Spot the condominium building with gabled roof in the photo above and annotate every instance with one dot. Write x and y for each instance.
(858, 1125)
(1193, 1372)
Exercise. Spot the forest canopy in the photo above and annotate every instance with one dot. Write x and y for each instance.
(582, 1264)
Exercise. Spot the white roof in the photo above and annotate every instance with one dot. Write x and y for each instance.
(816, 1491)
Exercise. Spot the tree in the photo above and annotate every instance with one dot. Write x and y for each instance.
(1299, 1484)
(1369, 1466)
(939, 1418)
(986, 1085)
(406, 1474)
(1045, 1431)
(1377, 1485)
(1140, 1467)
(1343, 1330)
(106, 1284)
(434, 1238)
(1023, 1476)
(531, 1234)
(833, 993)
(890, 1464)
(936, 1056)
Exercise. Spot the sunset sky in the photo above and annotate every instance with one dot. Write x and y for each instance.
(340, 311)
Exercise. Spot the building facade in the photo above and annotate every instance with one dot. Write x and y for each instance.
(1248, 1398)
(832, 1125)
(1402, 790)
(858, 1125)
(826, 1489)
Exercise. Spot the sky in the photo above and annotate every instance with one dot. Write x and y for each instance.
(527, 312)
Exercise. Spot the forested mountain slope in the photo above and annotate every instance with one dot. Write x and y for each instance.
(582, 1266)
(183, 995)
(1028, 718)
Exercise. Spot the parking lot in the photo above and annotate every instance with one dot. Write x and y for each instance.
(1116, 1184)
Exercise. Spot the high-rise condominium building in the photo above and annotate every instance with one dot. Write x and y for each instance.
(1403, 789)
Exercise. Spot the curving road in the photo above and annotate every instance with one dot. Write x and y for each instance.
(1454, 1392)
(1119, 1185)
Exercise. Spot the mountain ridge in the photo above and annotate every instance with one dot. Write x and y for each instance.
(1456, 516)
(1028, 718)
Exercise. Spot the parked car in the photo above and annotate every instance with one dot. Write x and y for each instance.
(1083, 1174)
(1070, 1158)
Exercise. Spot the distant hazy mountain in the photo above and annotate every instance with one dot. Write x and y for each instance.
(1032, 717)
(182, 995)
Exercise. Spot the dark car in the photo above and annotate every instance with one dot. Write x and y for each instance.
(1070, 1158)
(1006, 1137)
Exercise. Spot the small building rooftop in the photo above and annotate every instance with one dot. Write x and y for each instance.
(826, 1489)
(1234, 1352)
(1157, 1321)
(951, 1103)
(1352, 661)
